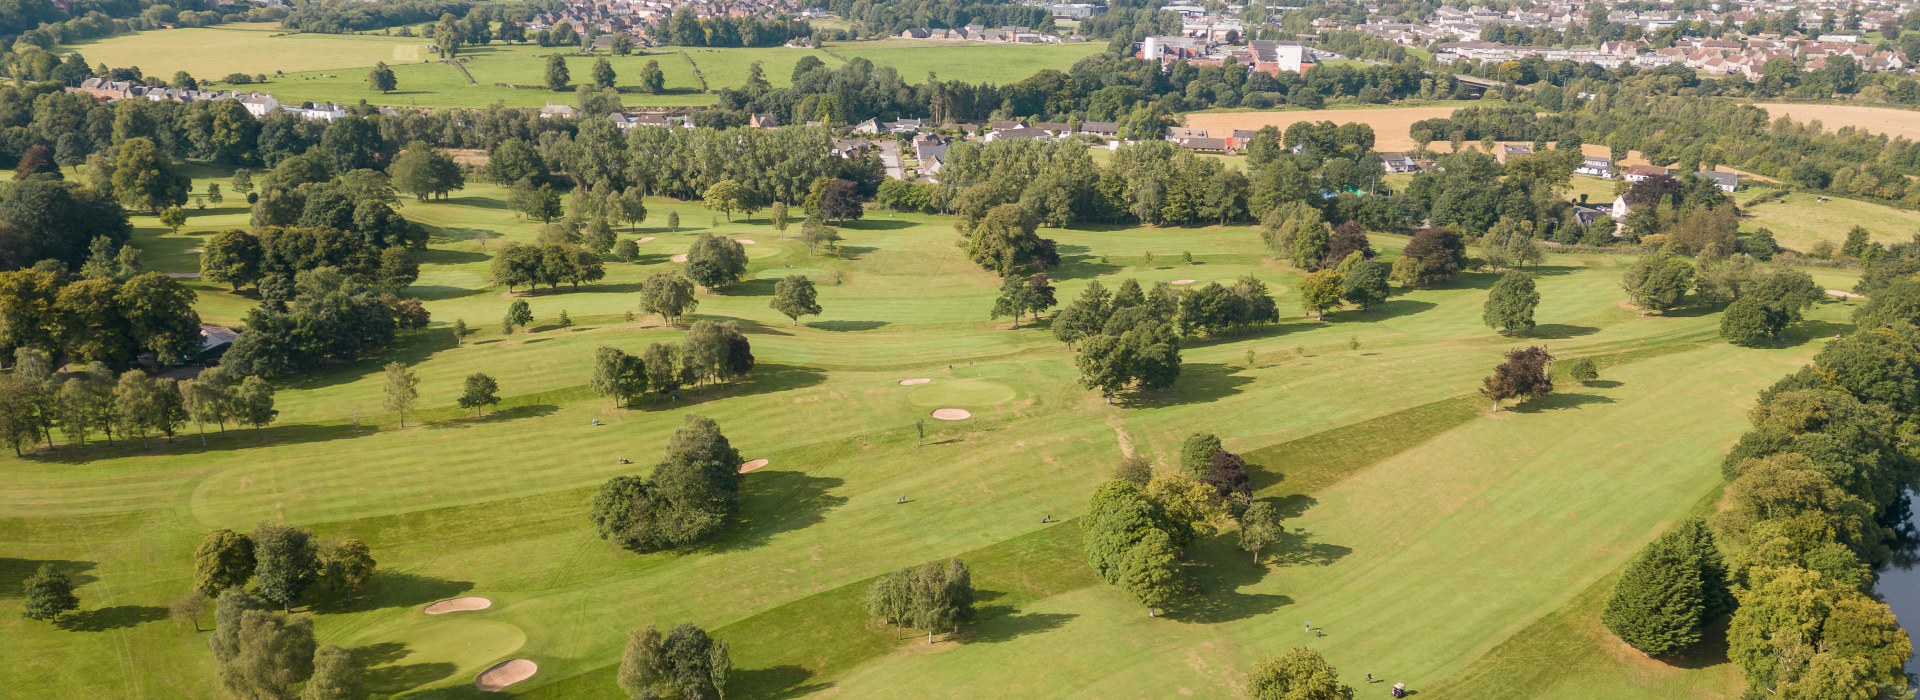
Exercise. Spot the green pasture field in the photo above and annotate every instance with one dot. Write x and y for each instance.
(331, 67)
(967, 61)
(213, 52)
(1435, 541)
(1799, 220)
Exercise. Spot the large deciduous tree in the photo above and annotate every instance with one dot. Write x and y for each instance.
(1510, 304)
(1523, 375)
(794, 296)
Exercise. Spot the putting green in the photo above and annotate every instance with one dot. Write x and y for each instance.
(764, 252)
(432, 651)
(965, 392)
(814, 273)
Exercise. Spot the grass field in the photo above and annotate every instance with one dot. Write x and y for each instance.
(1799, 220)
(329, 67)
(966, 61)
(1430, 537)
(212, 52)
(1901, 123)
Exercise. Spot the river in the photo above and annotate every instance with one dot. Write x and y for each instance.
(1899, 585)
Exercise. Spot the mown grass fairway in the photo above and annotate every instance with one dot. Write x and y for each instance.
(1429, 535)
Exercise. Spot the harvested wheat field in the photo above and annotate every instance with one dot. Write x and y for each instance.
(1880, 120)
(1390, 125)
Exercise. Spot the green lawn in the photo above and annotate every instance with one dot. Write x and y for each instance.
(1429, 533)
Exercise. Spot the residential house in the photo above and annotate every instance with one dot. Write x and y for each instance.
(1596, 166)
(1018, 134)
(1640, 173)
(1396, 162)
(1727, 182)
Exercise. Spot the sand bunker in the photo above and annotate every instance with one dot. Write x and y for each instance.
(504, 674)
(679, 258)
(951, 414)
(752, 465)
(743, 241)
(1183, 281)
(915, 380)
(1844, 294)
(643, 239)
(459, 605)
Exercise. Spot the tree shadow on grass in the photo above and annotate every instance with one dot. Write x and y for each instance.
(466, 417)
(1555, 402)
(783, 681)
(1560, 331)
(189, 443)
(766, 379)
(1297, 548)
(1198, 383)
(411, 348)
(444, 256)
(751, 288)
(397, 678)
(1811, 331)
(1711, 650)
(1392, 308)
(846, 326)
(1001, 623)
(393, 589)
(378, 654)
(111, 618)
(1219, 571)
(876, 225)
(774, 502)
(441, 292)
(850, 252)
(15, 572)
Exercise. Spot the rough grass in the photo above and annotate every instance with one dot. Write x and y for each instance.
(1429, 531)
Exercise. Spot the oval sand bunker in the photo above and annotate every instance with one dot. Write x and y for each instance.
(504, 674)
(752, 465)
(463, 604)
(1183, 281)
(644, 239)
(913, 381)
(679, 258)
(743, 241)
(951, 414)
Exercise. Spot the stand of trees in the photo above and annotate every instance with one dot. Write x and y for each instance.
(688, 498)
(265, 653)
(1814, 491)
(685, 662)
(1127, 340)
(326, 315)
(934, 596)
(282, 563)
(710, 352)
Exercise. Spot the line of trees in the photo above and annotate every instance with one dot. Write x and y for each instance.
(35, 400)
(712, 351)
